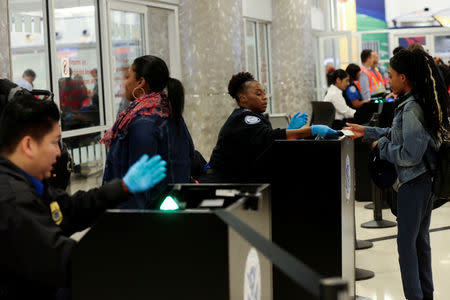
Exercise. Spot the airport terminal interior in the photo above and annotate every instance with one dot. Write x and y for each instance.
(81, 51)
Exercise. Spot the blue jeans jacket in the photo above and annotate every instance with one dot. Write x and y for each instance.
(151, 135)
(406, 144)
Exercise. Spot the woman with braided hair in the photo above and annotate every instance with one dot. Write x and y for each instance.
(420, 124)
(247, 133)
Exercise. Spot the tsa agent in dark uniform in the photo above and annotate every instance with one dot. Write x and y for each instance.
(353, 98)
(247, 133)
(36, 221)
(352, 94)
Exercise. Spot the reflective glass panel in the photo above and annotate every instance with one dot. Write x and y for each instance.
(263, 57)
(250, 44)
(442, 47)
(88, 157)
(159, 33)
(28, 44)
(127, 35)
(77, 64)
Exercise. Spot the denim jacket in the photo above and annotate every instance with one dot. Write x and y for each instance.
(406, 144)
(152, 135)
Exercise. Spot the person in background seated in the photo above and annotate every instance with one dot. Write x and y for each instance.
(420, 124)
(351, 94)
(340, 81)
(36, 220)
(27, 79)
(247, 133)
(152, 124)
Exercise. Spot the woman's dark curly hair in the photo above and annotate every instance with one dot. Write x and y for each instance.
(421, 70)
(237, 83)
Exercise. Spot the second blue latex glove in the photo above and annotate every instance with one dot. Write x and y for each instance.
(298, 120)
(323, 130)
(145, 173)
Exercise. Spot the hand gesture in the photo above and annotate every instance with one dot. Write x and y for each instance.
(358, 130)
(145, 173)
(298, 120)
(323, 130)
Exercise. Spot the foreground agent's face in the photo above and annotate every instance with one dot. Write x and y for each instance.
(45, 152)
(397, 81)
(342, 84)
(131, 84)
(254, 97)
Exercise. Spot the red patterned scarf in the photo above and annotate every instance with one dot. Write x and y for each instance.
(149, 104)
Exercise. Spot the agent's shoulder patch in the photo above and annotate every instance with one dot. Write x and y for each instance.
(252, 120)
(57, 215)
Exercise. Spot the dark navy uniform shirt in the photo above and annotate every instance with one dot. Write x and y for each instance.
(351, 93)
(244, 136)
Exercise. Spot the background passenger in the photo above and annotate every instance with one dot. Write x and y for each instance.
(420, 124)
(351, 94)
(340, 81)
(27, 79)
(247, 133)
(151, 124)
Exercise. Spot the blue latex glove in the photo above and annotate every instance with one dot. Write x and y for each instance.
(145, 173)
(298, 120)
(323, 130)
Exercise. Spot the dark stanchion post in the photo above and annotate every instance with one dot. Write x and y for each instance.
(334, 289)
(378, 221)
(377, 196)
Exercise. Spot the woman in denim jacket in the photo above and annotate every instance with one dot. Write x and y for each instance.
(151, 124)
(420, 123)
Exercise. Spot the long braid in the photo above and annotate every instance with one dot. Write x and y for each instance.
(442, 131)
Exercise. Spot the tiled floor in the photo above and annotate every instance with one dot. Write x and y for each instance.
(383, 258)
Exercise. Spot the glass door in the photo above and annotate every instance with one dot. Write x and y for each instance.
(335, 52)
(128, 41)
(136, 30)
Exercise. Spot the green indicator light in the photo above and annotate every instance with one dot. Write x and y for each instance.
(169, 204)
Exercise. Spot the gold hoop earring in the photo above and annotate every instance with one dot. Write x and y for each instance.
(134, 90)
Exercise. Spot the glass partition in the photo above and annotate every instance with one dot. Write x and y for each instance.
(28, 44)
(159, 33)
(442, 47)
(77, 63)
(127, 37)
(88, 158)
(257, 44)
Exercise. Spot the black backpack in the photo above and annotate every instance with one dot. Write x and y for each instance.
(441, 181)
(7, 91)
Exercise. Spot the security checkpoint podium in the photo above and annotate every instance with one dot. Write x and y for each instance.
(185, 254)
(312, 184)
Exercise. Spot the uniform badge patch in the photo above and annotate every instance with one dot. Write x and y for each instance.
(252, 120)
(353, 89)
(57, 215)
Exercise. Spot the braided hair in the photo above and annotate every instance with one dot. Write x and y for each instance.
(420, 69)
(237, 84)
